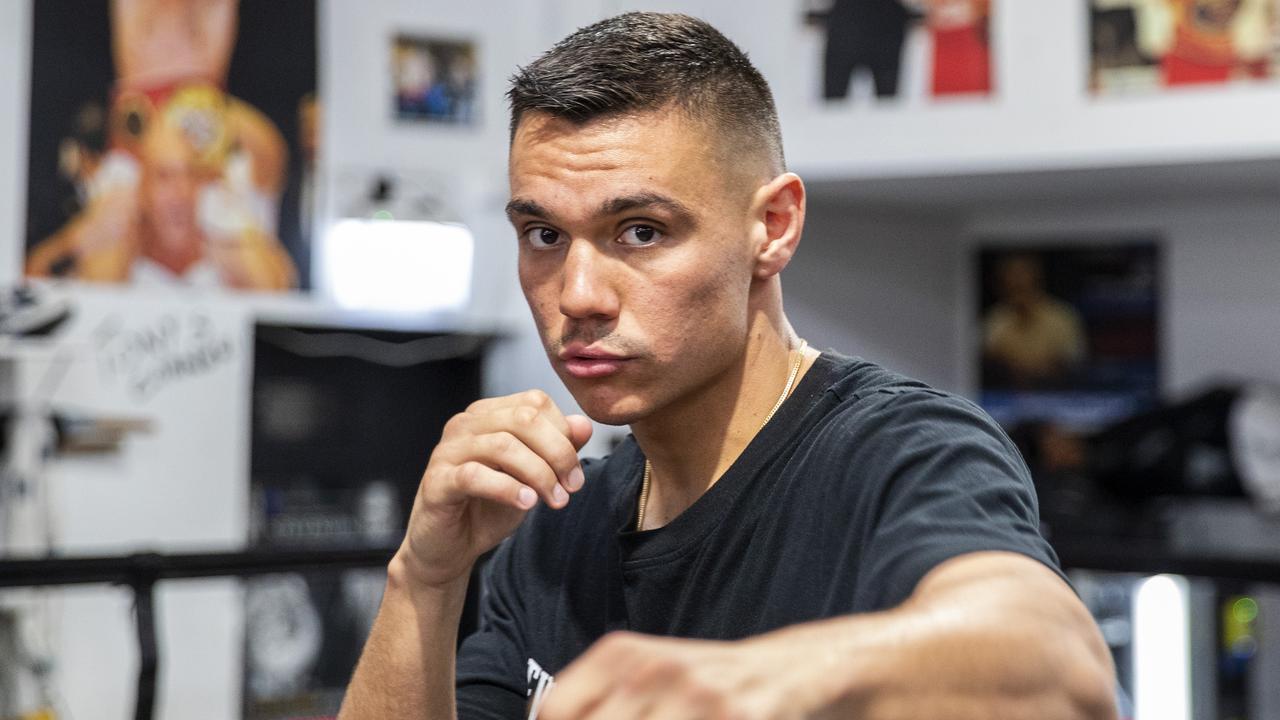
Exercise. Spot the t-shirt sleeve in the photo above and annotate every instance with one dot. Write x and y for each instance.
(940, 480)
(490, 668)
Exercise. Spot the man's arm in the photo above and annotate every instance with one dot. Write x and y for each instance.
(101, 240)
(407, 667)
(492, 464)
(984, 635)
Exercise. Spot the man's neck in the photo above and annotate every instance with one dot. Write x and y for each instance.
(176, 261)
(691, 443)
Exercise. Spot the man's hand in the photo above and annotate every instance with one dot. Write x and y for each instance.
(625, 676)
(493, 463)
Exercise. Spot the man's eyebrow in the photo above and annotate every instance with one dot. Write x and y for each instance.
(520, 206)
(517, 207)
(640, 201)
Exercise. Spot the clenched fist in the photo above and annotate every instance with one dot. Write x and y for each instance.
(494, 462)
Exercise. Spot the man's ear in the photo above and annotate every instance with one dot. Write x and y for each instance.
(778, 211)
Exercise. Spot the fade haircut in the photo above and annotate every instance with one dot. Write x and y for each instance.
(643, 61)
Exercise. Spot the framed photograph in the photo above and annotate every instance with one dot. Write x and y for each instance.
(434, 79)
(1069, 333)
(1148, 45)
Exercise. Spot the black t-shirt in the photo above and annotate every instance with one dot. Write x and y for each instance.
(862, 483)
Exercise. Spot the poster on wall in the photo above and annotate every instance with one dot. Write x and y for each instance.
(434, 80)
(173, 142)
(903, 48)
(1146, 45)
(1069, 334)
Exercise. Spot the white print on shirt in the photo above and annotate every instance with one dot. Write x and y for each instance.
(539, 681)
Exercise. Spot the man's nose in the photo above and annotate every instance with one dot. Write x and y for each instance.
(588, 288)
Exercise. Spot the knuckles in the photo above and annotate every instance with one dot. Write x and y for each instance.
(467, 474)
(457, 424)
(614, 644)
(536, 399)
(525, 415)
(503, 443)
(645, 669)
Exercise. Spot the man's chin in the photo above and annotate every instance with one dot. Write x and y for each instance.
(606, 407)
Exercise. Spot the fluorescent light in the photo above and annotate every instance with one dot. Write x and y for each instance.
(397, 266)
(1161, 649)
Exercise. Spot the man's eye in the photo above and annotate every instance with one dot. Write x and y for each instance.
(541, 237)
(639, 235)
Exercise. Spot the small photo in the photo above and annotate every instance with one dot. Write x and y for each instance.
(435, 80)
(1069, 334)
(1147, 45)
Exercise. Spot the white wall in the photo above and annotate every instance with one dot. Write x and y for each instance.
(878, 286)
(15, 73)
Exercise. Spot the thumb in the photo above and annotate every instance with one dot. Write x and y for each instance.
(580, 430)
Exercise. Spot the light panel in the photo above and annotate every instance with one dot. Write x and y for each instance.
(1162, 649)
(397, 266)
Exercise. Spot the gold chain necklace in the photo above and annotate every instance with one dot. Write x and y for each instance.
(648, 468)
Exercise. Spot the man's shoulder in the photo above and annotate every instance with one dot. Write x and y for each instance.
(854, 381)
(870, 400)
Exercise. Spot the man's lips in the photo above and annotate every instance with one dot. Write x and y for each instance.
(587, 362)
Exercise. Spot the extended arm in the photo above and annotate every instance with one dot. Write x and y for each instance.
(984, 635)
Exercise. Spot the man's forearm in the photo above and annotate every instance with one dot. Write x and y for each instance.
(1014, 647)
(987, 635)
(407, 667)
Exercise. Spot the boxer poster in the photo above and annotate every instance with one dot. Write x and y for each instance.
(1143, 45)
(904, 48)
(172, 142)
(1068, 334)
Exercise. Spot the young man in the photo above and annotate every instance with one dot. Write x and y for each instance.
(788, 534)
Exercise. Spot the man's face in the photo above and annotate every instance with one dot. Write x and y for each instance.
(170, 188)
(635, 256)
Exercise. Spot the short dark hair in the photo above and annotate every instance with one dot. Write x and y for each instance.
(642, 61)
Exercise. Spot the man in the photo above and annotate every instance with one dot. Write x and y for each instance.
(788, 534)
(170, 225)
(1031, 340)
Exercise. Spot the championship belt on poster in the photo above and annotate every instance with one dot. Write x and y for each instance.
(197, 107)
